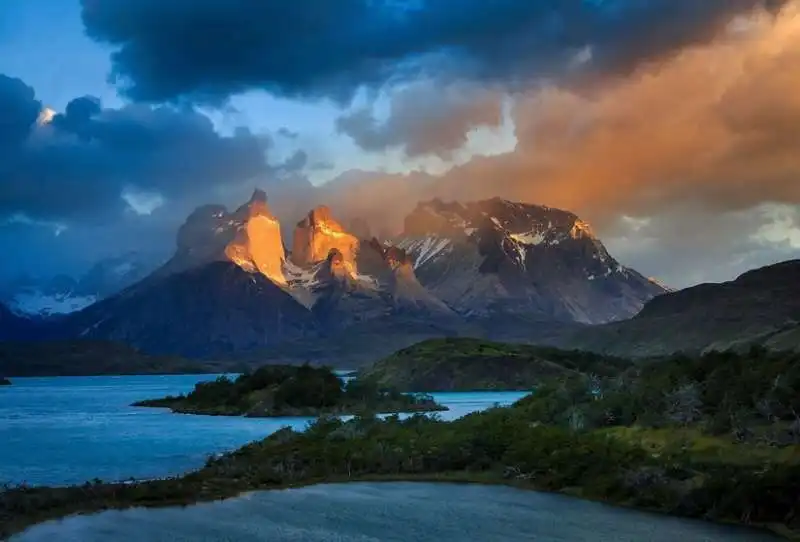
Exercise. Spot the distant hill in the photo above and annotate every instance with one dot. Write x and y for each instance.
(472, 364)
(84, 358)
(63, 294)
(759, 307)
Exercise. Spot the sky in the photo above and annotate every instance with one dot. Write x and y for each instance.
(673, 126)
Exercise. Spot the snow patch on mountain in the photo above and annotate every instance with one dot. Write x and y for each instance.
(34, 303)
(425, 249)
(528, 238)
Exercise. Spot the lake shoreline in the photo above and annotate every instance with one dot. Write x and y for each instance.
(285, 391)
(489, 478)
(176, 407)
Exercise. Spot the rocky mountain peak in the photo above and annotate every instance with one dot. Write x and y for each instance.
(335, 276)
(250, 237)
(522, 257)
(258, 245)
(509, 229)
(317, 235)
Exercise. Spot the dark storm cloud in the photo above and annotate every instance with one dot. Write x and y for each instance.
(207, 50)
(78, 166)
(18, 111)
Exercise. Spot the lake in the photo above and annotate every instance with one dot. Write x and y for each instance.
(68, 430)
(388, 512)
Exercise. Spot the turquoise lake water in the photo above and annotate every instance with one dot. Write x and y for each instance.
(69, 430)
(388, 512)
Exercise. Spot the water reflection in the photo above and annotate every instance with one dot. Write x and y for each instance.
(392, 512)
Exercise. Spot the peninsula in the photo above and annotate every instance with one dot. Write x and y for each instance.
(285, 390)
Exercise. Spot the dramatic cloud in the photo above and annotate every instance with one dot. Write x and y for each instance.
(18, 112)
(91, 163)
(92, 182)
(207, 50)
(425, 118)
(686, 245)
(672, 125)
(696, 147)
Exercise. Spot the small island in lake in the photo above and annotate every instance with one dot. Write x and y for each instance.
(4, 381)
(283, 390)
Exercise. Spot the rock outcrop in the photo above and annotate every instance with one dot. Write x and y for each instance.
(319, 233)
(257, 245)
(250, 237)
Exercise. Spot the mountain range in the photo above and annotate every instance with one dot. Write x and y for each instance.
(63, 294)
(236, 288)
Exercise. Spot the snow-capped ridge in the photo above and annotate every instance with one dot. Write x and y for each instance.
(521, 256)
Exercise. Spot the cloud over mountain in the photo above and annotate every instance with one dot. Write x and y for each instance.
(85, 162)
(207, 50)
(705, 141)
(651, 118)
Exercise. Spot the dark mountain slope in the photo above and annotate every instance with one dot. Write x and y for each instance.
(80, 358)
(13, 327)
(759, 307)
(213, 310)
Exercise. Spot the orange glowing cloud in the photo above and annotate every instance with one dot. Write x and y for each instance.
(716, 125)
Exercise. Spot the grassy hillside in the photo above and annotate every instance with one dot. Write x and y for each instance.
(461, 364)
(81, 358)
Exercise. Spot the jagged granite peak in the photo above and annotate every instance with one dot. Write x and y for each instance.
(317, 234)
(250, 237)
(258, 246)
(496, 255)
